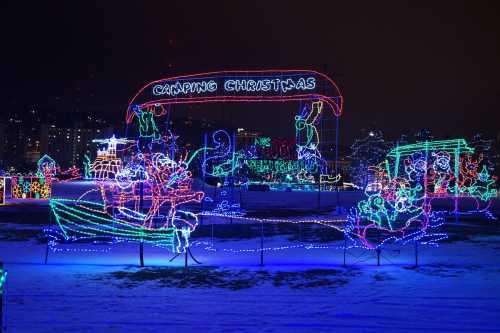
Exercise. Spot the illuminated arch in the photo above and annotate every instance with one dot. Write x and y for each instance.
(240, 86)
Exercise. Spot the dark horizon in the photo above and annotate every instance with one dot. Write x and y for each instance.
(400, 68)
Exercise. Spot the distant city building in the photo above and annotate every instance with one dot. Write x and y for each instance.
(21, 146)
(26, 136)
(69, 145)
(18, 143)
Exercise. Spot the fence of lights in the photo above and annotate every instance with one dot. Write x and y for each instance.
(40, 186)
(412, 189)
(145, 199)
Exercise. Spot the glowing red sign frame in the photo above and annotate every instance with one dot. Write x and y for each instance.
(275, 86)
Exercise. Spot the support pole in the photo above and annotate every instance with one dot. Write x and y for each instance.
(141, 253)
(345, 249)
(300, 232)
(378, 255)
(205, 140)
(262, 243)
(319, 163)
(47, 247)
(319, 191)
(337, 126)
(1, 300)
(456, 174)
(47, 254)
(233, 153)
(416, 253)
(212, 235)
(187, 251)
(141, 207)
(426, 208)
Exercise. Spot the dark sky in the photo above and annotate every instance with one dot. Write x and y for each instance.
(400, 66)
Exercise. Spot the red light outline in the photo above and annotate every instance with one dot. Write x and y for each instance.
(336, 107)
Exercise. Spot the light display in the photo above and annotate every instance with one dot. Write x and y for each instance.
(87, 166)
(307, 133)
(186, 87)
(328, 182)
(2, 190)
(147, 124)
(275, 148)
(107, 164)
(47, 169)
(276, 162)
(399, 204)
(139, 203)
(277, 167)
(82, 219)
(248, 86)
(142, 200)
(31, 187)
(220, 160)
(239, 86)
(69, 174)
(46, 164)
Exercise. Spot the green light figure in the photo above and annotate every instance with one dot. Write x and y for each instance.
(263, 141)
(481, 187)
(307, 133)
(148, 131)
(147, 124)
(86, 167)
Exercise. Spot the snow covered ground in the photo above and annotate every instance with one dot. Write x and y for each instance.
(456, 289)
(99, 288)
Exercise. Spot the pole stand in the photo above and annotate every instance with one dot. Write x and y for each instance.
(261, 244)
(416, 253)
(345, 251)
(141, 253)
(47, 254)
(186, 253)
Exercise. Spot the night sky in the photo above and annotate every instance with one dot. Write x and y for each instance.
(400, 66)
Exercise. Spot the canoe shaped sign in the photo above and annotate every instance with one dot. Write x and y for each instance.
(240, 86)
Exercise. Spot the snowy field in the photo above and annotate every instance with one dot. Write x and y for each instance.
(99, 288)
